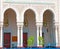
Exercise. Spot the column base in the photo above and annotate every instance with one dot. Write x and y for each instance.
(40, 46)
(57, 46)
(1, 47)
(20, 46)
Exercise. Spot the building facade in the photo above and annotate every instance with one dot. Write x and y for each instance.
(21, 19)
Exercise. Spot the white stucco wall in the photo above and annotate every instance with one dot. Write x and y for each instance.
(0, 18)
(20, 8)
(29, 0)
(0, 9)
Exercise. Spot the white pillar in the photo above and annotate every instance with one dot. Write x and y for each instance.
(41, 30)
(37, 36)
(59, 35)
(18, 41)
(1, 36)
(20, 36)
(56, 32)
(39, 33)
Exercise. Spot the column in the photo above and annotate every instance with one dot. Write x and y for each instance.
(39, 33)
(56, 32)
(1, 36)
(59, 35)
(37, 36)
(20, 36)
(18, 41)
(41, 30)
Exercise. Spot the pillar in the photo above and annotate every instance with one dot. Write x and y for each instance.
(20, 35)
(39, 33)
(57, 33)
(1, 35)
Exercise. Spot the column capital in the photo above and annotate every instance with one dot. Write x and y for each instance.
(39, 23)
(19, 23)
(56, 23)
(1, 24)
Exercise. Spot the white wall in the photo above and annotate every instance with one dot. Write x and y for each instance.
(29, 1)
(20, 8)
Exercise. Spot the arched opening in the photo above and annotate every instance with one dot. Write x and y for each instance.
(48, 30)
(29, 28)
(9, 29)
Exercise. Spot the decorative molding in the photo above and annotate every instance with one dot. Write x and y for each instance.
(56, 23)
(45, 3)
(20, 23)
(39, 23)
(1, 23)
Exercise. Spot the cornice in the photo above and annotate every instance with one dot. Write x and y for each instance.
(45, 3)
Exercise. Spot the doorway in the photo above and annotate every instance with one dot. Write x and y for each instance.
(7, 40)
(25, 39)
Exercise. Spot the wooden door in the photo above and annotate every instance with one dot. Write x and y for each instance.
(24, 39)
(7, 40)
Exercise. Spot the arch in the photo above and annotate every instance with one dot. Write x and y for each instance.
(51, 9)
(10, 27)
(32, 8)
(30, 25)
(49, 13)
(48, 29)
(16, 11)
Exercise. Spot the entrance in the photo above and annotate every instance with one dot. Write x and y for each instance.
(7, 40)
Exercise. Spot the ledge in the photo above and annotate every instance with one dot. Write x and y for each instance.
(45, 3)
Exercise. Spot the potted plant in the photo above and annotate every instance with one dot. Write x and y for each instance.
(41, 40)
(30, 41)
